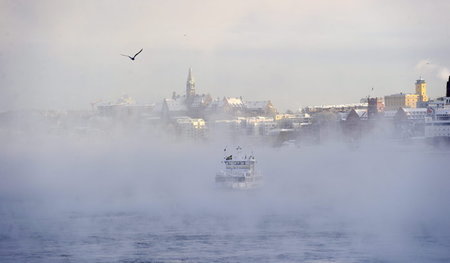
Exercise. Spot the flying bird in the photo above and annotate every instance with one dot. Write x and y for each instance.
(133, 57)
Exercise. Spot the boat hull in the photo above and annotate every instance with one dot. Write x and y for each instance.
(238, 182)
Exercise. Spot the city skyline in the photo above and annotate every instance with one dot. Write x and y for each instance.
(224, 131)
(67, 55)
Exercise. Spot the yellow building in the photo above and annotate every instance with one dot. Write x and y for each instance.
(402, 100)
(396, 101)
(421, 90)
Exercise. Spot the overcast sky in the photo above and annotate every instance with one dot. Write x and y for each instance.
(66, 54)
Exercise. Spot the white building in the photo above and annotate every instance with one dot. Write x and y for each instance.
(259, 126)
(191, 128)
(124, 107)
(335, 108)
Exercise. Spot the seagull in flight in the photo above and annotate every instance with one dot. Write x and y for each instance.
(133, 57)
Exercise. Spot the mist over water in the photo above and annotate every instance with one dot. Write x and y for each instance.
(95, 164)
(138, 199)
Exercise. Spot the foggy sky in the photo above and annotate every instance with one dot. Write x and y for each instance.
(66, 54)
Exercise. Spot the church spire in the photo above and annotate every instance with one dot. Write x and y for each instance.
(190, 78)
(190, 85)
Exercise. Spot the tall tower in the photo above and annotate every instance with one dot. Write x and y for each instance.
(190, 86)
(421, 89)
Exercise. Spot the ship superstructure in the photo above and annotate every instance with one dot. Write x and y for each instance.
(437, 123)
(239, 171)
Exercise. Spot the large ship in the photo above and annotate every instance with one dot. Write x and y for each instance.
(437, 123)
(239, 171)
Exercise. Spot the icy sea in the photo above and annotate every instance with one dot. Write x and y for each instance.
(62, 203)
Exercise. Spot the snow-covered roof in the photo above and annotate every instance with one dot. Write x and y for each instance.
(361, 113)
(414, 113)
(234, 102)
(175, 105)
(259, 119)
(255, 105)
(185, 120)
(338, 106)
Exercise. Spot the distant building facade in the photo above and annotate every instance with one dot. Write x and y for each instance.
(260, 108)
(401, 100)
(406, 100)
(375, 106)
(191, 128)
(125, 107)
(335, 108)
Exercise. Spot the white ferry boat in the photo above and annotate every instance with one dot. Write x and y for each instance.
(239, 171)
(437, 125)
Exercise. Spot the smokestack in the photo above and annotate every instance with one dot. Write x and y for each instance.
(448, 87)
